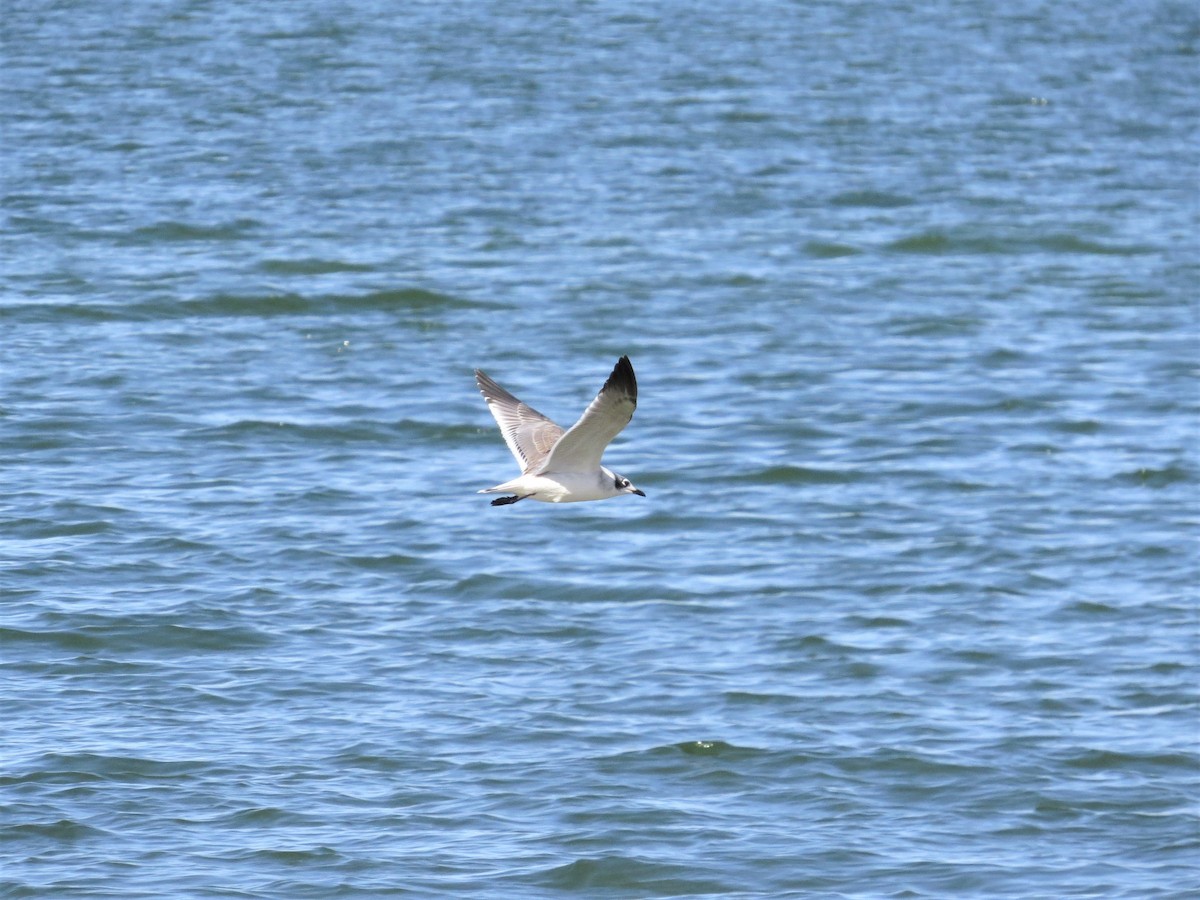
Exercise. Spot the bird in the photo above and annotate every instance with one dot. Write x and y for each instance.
(560, 466)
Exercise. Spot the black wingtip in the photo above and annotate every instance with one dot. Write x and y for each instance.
(623, 379)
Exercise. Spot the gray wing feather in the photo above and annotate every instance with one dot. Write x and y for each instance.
(529, 435)
(580, 449)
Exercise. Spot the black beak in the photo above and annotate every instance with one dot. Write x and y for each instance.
(639, 492)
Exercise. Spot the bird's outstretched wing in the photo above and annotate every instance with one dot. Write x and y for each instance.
(529, 435)
(580, 449)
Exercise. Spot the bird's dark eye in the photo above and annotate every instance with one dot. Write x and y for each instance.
(620, 482)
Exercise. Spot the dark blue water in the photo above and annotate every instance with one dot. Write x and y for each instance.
(910, 608)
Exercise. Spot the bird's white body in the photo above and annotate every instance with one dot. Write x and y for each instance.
(562, 487)
(563, 466)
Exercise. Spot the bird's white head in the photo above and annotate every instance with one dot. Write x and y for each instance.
(622, 485)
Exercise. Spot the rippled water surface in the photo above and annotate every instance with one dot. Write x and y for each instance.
(909, 609)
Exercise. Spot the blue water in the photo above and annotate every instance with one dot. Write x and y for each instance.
(910, 607)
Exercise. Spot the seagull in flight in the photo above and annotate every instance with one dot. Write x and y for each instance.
(563, 466)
